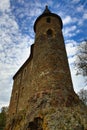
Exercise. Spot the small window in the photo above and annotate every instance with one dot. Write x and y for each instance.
(48, 20)
(49, 33)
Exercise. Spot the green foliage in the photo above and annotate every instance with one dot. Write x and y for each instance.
(3, 118)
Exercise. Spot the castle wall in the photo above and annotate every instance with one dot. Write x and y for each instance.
(22, 88)
(42, 90)
(50, 60)
(47, 67)
(13, 101)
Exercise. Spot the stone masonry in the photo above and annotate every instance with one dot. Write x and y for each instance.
(43, 97)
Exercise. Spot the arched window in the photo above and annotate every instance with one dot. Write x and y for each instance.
(49, 33)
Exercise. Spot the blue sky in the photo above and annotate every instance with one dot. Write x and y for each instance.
(16, 35)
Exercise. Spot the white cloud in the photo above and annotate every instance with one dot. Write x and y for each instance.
(71, 49)
(75, 1)
(78, 80)
(85, 16)
(4, 5)
(67, 20)
(71, 46)
(80, 8)
(70, 31)
(85, 87)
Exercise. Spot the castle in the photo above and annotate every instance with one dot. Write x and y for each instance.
(42, 86)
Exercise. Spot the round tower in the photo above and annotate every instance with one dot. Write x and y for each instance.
(51, 70)
(43, 97)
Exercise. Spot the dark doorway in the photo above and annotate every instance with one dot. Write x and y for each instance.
(36, 124)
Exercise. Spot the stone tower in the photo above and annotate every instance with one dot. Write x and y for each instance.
(43, 97)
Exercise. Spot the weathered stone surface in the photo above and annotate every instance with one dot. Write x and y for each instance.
(54, 115)
(43, 97)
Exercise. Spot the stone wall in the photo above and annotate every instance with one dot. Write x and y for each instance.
(47, 67)
(43, 88)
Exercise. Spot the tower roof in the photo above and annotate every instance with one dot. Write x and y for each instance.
(47, 12)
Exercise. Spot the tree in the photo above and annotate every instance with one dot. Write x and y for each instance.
(83, 95)
(3, 118)
(81, 59)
